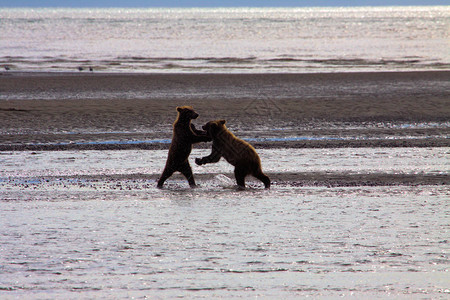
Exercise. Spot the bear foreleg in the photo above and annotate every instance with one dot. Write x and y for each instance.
(200, 138)
(199, 135)
(212, 158)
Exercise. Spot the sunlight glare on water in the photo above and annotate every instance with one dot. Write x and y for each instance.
(93, 224)
(226, 39)
(215, 241)
(357, 160)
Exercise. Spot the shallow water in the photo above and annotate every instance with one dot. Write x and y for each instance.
(218, 242)
(66, 236)
(225, 40)
(24, 164)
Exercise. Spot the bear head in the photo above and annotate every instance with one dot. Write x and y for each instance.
(186, 113)
(213, 127)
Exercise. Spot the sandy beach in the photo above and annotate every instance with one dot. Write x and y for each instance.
(55, 111)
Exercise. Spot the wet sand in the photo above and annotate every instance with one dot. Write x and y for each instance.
(67, 111)
(142, 182)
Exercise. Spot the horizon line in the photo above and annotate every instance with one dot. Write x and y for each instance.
(265, 6)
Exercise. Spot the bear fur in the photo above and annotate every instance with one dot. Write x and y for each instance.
(237, 152)
(184, 136)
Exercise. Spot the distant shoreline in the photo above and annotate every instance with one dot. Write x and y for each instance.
(163, 73)
(219, 7)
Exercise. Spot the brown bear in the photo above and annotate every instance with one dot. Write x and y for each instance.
(237, 152)
(184, 135)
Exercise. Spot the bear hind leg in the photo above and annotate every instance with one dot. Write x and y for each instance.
(264, 178)
(166, 174)
(186, 170)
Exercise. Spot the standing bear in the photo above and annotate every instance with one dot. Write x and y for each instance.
(237, 152)
(184, 135)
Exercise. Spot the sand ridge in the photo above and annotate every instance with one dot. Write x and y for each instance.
(64, 111)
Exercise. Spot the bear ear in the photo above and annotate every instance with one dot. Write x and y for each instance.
(179, 108)
(222, 122)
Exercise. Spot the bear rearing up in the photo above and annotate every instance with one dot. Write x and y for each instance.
(237, 152)
(184, 135)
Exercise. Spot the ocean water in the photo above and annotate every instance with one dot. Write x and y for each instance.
(85, 224)
(224, 40)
